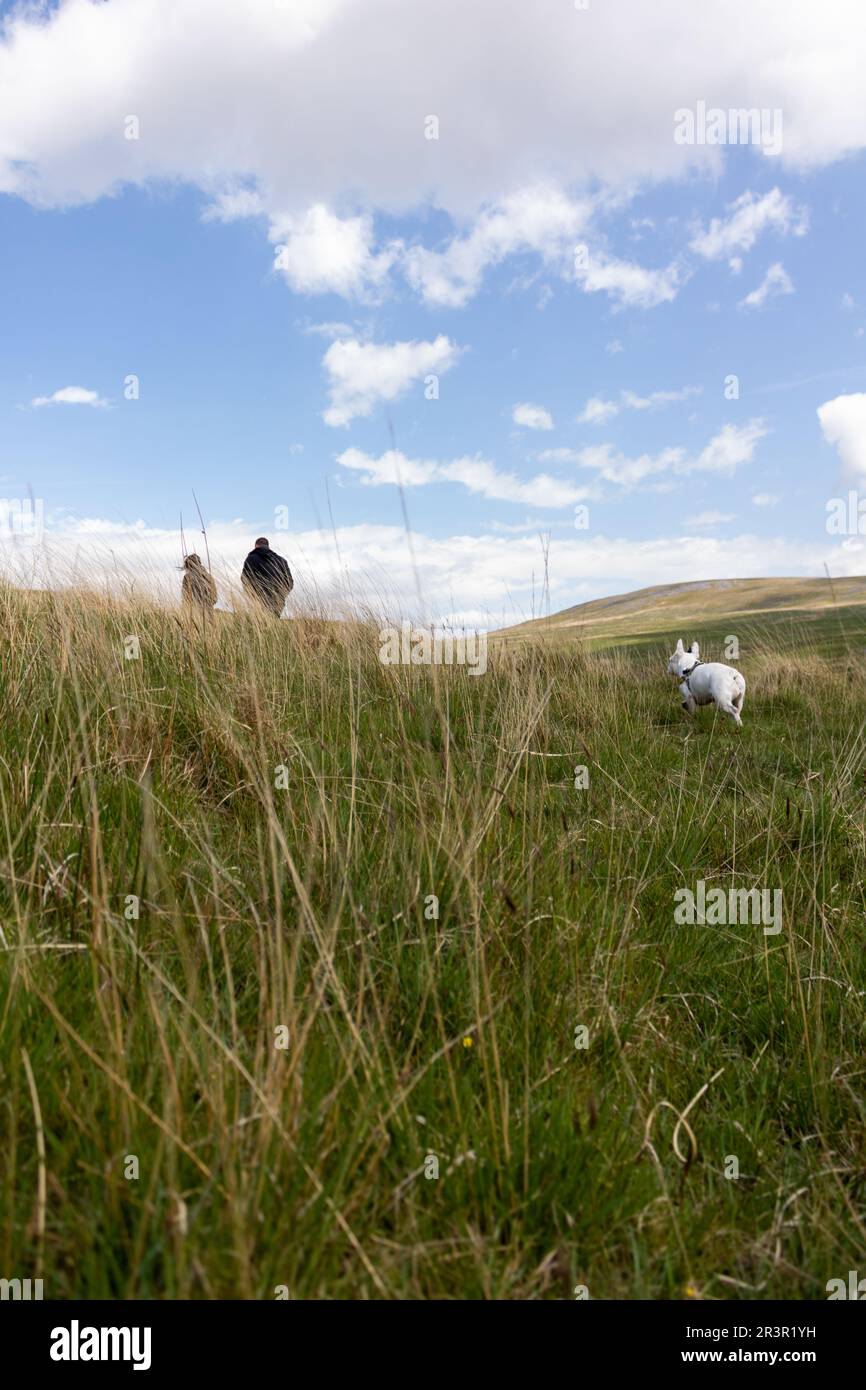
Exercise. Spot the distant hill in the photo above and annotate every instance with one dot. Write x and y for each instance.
(832, 613)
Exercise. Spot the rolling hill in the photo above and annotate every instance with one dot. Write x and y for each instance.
(780, 612)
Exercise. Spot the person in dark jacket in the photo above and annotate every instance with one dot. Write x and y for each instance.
(198, 588)
(267, 577)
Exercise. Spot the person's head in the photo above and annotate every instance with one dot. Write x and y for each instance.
(262, 543)
(192, 562)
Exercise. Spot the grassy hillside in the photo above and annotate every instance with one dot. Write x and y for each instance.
(246, 1086)
(785, 614)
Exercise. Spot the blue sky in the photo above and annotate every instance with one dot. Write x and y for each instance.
(274, 377)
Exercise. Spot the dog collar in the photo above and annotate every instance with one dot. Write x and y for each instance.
(691, 671)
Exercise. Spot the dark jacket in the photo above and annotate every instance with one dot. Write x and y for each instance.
(267, 577)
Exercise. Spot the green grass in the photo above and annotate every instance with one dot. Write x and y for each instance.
(307, 908)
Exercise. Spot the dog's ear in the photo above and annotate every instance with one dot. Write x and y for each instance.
(679, 645)
(695, 649)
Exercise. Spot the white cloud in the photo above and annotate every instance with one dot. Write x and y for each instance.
(540, 219)
(319, 253)
(532, 417)
(848, 301)
(843, 423)
(733, 445)
(726, 451)
(657, 398)
(597, 411)
(765, 499)
(776, 281)
(710, 519)
(613, 346)
(630, 284)
(307, 100)
(626, 472)
(485, 579)
(360, 375)
(541, 491)
(392, 468)
(747, 218)
(277, 98)
(231, 204)
(477, 475)
(334, 328)
(72, 395)
(301, 114)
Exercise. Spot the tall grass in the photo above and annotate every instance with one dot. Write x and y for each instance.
(305, 915)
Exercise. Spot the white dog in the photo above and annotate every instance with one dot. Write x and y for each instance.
(707, 682)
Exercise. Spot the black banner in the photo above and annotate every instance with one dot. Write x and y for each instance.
(228, 1338)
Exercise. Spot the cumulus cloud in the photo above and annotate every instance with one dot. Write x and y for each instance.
(320, 253)
(616, 467)
(597, 411)
(308, 99)
(312, 116)
(532, 417)
(732, 446)
(540, 219)
(476, 474)
(747, 218)
(843, 424)
(392, 468)
(361, 375)
(776, 281)
(544, 220)
(629, 284)
(71, 395)
(725, 452)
